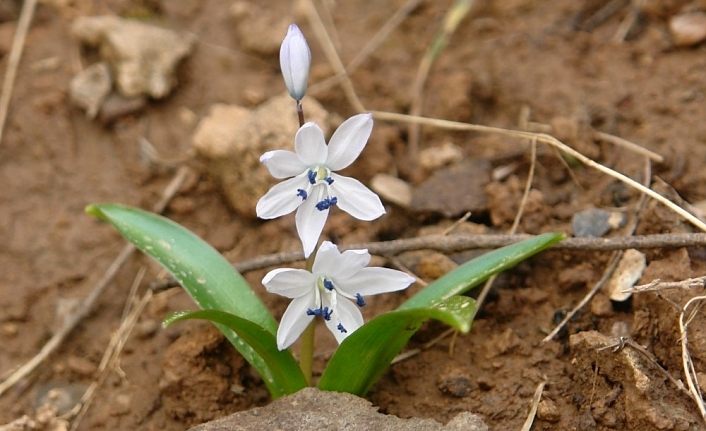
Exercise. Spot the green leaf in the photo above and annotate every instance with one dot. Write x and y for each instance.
(285, 370)
(207, 276)
(364, 356)
(477, 270)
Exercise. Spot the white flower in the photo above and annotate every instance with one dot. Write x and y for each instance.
(315, 186)
(334, 290)
(295, 60)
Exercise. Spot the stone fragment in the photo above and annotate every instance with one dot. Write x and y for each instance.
(596, 222)
(90, 87)
(392, 189)
(629, 270)
(688, 29)
(143, 57)
(232, 138)
(454, 190)
(436, 157)
(312, 408)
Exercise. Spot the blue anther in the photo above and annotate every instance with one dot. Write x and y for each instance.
(329, 180)
(326, 313)
(326, 203)
(323, 312)
(341, 328)
(302, 194)
(312, 177)
(359, 300)
(313, 312)
(328, 284)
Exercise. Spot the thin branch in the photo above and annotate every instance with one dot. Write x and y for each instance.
(520, 211)
(457, 243)
(86, 306)
(13, 62)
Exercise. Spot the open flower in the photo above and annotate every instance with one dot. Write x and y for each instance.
(295, 60)
(316, 187)
(334, 291)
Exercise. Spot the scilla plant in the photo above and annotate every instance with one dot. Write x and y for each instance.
(334, 285)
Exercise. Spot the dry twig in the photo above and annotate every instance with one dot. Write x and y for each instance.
(549, 140)
(86, 306)
(527, 426)
(656, 285)
(13, 62)
(687, 363)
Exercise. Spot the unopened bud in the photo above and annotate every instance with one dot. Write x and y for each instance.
(295, 60)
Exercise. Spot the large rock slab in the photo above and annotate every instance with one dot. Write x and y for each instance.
(232, 138)
(312, 409)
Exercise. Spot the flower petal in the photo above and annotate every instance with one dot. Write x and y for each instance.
(295, 320)
(310, 220)
(288, 282)
(282, 163)
(356, 199)
(327, 259)
(295, 60)
(346, 314)
(310, 145)
(282, 198)
(348, 141)
(371, 281)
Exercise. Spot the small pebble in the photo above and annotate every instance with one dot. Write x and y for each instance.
(485, 383)
(688, 29)
(595, 222)
(455, 383)
(548, 411)
(392, 189)
(9, 329)
(146, 328)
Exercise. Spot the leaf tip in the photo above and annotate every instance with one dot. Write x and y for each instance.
(96, 211)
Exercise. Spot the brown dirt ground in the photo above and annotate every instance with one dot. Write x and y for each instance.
(507, 55)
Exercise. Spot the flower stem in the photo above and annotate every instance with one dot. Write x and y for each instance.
(300, 112)
(306, 353)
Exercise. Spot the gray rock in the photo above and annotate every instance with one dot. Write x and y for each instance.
(596, 222)
(312, 409)
(454, 190)
(90, 87)
(143, 57)
(232, 138)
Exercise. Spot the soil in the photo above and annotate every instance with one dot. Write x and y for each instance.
(505, 58)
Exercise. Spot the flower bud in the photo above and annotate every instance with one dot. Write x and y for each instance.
(295, 59)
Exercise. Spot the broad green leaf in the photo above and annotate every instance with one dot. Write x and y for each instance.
(207, 276)
(364, 356)
(477, 270)
(284, 368)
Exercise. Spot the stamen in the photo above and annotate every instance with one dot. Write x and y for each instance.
(326, 203)
(341, 328)
(359, 300)
(324, 312)
(312, 177)
(328, 284)
(329, 180)
(302, 194)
